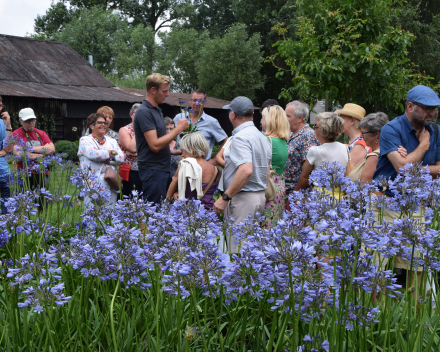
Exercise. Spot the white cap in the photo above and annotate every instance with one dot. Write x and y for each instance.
(26, 114)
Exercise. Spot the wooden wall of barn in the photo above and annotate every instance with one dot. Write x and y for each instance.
(72, 114)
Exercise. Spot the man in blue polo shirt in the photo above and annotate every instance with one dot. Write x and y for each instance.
(414, 132)
(207, 125)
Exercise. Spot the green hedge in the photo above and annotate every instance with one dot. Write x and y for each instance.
(70, 148)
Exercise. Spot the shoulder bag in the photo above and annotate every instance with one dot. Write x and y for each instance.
(270, 191)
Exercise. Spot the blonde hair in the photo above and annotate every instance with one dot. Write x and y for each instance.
(276, 122)
(195, 144)
(106, 110)
(155, 80)
(331, 125)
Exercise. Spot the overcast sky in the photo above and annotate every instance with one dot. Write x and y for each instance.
(17, 16)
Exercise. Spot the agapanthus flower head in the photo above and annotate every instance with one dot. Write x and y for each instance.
(40, 281)
(201, 102)
(411, 188)
(329, 176)
(13, 140)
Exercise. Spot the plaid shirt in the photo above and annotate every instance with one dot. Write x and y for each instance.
(297, 148)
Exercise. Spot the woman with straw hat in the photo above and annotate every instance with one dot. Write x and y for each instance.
(352, 115)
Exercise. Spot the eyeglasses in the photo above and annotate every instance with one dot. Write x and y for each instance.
(1, 106)
(315, 127)
(101, 123)
(364, 133)
(427, 109)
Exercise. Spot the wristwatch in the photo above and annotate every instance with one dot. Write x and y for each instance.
(226, 197)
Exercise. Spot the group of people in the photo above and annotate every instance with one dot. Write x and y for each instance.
(255, 171)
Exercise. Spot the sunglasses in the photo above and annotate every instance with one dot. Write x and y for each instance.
(101, 123)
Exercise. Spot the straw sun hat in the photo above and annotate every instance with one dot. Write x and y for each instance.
(352, 110)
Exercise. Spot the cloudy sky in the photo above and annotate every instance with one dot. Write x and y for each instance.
(17, 16)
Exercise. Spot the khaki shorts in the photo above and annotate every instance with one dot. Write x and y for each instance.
(239, 207)
(389, 216)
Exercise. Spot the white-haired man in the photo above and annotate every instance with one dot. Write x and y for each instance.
(301, 138)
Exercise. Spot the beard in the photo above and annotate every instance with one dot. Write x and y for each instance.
(419, 120)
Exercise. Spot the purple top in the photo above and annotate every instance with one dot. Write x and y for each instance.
(208, 199)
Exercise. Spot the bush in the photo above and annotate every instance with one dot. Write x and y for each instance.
(70, 148)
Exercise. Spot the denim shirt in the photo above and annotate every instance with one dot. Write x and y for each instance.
(209, 127)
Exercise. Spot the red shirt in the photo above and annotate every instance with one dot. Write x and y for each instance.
(33, 137)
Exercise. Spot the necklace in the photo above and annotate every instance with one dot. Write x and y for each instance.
(98, 141)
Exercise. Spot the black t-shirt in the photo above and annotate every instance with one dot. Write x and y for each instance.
(149, 117)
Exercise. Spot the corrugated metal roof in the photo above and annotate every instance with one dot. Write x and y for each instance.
(41, 90)
(53, 70)
(47, 62)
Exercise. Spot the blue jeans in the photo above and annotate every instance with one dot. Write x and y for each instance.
(154, 185)
(4, 193)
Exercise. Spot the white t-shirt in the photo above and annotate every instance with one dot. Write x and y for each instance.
(328, 153)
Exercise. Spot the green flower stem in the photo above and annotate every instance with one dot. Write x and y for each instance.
(196, 313)
(112, 324)
(157, 307)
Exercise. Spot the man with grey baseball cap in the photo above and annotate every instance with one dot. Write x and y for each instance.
(244, 178)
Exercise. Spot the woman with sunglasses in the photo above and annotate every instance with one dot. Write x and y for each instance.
(97, 152)
(370, 131)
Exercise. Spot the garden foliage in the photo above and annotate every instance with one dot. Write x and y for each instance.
(142, 278)
(69, 148)
(349, 51)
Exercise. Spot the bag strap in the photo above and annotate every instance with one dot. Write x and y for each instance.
(435, 127)
(348, 152)
(270, 140)
(214, 175)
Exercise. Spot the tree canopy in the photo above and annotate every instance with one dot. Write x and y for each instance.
(349, 51)
(365, 51)
(156, 14)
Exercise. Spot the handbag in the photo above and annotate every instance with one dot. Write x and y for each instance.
(350, 165)
(270, 192)
(124, 171)
(357, 171)
(112, 178)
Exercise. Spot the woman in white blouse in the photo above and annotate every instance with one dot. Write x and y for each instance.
(97, 152)
(329, 126)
